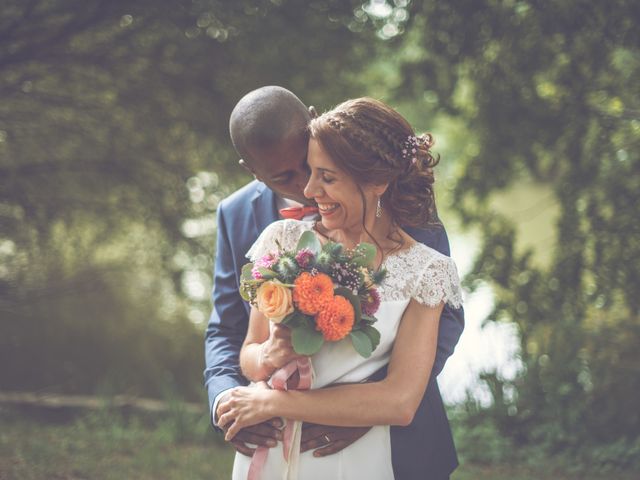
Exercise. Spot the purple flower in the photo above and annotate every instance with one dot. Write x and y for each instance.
(371, 302)
(304, 257)
(267, 261)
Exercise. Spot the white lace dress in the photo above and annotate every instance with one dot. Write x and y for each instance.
(418, 272)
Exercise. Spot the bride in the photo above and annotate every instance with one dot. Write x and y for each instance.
(369, 175)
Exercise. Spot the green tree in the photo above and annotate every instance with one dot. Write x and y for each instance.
(114, 152)
(548, 92)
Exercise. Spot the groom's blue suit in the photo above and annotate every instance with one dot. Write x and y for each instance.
(422, 450)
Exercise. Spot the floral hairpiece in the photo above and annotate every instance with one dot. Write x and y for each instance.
(410, 148)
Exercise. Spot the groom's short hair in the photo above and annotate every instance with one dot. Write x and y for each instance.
(264, 117)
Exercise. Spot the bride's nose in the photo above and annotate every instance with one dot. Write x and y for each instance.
(312, 188)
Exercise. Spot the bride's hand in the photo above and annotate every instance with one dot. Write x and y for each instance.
(243, 407)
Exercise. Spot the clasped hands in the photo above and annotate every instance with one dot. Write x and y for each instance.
(242, 406)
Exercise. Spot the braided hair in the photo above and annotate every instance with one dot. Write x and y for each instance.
(375, 145)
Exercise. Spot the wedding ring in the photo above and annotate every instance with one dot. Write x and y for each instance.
(327, 439)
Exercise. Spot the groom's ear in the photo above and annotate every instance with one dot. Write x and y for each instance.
(313, 112)
(247, 167)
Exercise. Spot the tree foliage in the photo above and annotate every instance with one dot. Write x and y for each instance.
(548, 92)
(114, 152)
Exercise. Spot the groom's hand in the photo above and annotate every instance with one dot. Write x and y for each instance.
(326, 440)
(266, 434)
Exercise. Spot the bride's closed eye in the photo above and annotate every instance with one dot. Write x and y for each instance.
(328, 179)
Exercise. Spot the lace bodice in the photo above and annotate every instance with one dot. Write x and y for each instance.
(418, 272)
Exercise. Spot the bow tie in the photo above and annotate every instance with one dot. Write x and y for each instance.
(298, 213)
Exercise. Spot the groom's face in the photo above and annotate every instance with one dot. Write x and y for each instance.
(283, 166)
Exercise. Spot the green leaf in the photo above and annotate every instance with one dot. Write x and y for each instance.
(296, 319)
(246, 272)
(267, 273)
(353, 299)
(332, 248)
(361, 342)
(368, 320)
(309, 240)
(373, 334)
(306, 340)
(365, 254)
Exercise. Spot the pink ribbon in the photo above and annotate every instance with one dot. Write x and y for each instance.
(278, 381)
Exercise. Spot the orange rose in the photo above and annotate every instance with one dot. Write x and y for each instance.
(274, 300)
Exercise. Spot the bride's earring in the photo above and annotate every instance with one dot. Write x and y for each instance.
(379, 208)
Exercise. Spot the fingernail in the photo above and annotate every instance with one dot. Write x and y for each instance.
(271, 443)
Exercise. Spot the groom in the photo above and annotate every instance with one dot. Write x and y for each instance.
(268, 129)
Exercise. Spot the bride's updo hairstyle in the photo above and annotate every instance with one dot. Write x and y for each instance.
(375, 145)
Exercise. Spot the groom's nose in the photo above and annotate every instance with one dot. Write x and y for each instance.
(302, 180)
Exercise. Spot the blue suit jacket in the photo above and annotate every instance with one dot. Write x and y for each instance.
(422, 450)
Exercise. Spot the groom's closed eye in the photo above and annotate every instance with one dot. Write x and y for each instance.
(282, 179)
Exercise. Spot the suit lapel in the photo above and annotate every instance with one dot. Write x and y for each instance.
(264, 208)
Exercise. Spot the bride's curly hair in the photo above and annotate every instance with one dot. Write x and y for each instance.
(373, 144)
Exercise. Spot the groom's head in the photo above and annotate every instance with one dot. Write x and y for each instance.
(268, 128)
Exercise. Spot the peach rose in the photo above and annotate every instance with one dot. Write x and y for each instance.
(274, 300)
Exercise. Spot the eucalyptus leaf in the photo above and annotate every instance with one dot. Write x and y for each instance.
(296, 319)
(373, 334)
(368, 319)
(267, 273)
(365, 254)
(310, 241)
(246, 272)
(305, 340)
(361, 342)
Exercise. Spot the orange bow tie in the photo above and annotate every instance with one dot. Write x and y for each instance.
(298, 213)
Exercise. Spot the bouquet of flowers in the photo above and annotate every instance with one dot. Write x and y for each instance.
(322, 292)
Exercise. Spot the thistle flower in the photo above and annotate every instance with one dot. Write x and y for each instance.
(287, 268)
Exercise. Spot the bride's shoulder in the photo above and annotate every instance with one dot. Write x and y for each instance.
(425, 274)
(437, 278)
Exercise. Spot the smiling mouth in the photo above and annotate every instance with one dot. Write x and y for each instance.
(326, 208)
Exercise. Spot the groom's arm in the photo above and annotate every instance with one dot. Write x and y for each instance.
(224, 336)
(227, 323)
(451, 320)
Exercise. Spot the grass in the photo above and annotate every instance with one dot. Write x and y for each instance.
(106, 445)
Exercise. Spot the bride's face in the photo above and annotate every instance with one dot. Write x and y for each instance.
(337, 194)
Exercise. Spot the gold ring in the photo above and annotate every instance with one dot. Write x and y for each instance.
(327, 439)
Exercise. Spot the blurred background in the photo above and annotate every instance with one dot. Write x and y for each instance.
(114, 154)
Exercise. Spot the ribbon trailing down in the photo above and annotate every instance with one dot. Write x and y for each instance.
(292, 429)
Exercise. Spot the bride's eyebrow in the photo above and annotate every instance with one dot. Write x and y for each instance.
(320, 169)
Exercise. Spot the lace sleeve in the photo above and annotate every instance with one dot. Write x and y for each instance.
(439, 282)
(267, 242)
(285, 233)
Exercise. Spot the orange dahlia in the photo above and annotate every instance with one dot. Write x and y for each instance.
(336, 319)
(312, 292)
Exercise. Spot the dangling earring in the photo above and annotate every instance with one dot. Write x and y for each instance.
(379, 209)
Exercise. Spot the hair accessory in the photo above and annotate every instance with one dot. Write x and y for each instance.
(410, 148)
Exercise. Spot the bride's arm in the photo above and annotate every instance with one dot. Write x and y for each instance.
(392, 401)
(264, 351)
